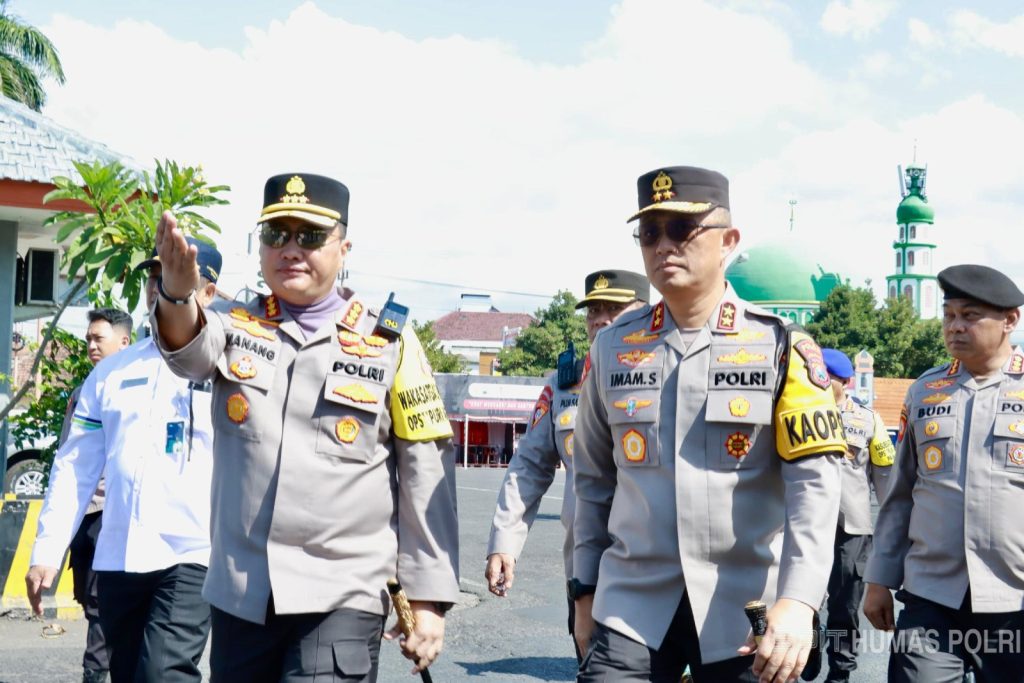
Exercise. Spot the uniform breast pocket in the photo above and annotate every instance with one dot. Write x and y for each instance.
(1008, 443)
(734, 425)
(348, 418)
(233, 408)
(935, 439)
(633, 417)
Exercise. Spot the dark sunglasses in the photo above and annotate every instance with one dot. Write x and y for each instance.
(649, 234)
(276, 236)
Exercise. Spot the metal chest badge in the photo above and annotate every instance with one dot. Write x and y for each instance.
(355, 392)
(243, 368)
(634, 446)
(737, 445)
(346, 429)
(237, 408)
(355, 344)
(247, 322)
(632, 405)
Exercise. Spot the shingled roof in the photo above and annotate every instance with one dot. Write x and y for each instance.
(889, 395)
(482, 326)
(35, 149)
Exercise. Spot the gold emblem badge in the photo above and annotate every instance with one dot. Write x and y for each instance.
(939, 384)
(662, 186)
(632, 405)
(634, 446)
(601, 282)
(1015, 454)
(296, 189)
(1016, 364)
(635, 358)
(932, 428)
(347, 429)
(565, 418)
(639, 337)
(739, 407)
(933, 457)
(247, 322)
(569, 441)
(727, 316)
(1017, 427)
(737, 445)
(936, 398)
(742, 357)
(355, 392)
(243, 368)
(237, 408)
(1019, 395)
(356, 344)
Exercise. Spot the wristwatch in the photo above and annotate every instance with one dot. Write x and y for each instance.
(576, 590)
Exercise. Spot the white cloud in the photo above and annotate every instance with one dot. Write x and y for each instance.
(874, 65)
(856, 18)
(470, 164)
(922, 35)
(973, 30)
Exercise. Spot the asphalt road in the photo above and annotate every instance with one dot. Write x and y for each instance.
(516, 639)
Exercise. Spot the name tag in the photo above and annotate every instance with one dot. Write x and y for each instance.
(134, 382)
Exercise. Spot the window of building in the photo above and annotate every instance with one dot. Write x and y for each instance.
(913, 231)
(892, 292)
(910, 258)
(899, 261)
(908, 292)
(901, 233)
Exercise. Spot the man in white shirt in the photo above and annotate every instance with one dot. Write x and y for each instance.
(149, 433)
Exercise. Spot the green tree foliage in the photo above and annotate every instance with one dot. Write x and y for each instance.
(26, 57)
(903, 346)
(439, 359)
(536, 349)
(65, 365)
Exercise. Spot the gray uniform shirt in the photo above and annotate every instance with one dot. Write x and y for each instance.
(549, 439)
(701, 468)
(950, 519)
(316, 499)
(869, 458)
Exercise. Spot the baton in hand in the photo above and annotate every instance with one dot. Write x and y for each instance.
(406, 619)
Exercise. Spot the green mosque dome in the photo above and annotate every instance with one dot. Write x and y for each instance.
(914, 209)
(780, 272)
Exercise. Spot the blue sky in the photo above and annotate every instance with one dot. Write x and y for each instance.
(495, 145)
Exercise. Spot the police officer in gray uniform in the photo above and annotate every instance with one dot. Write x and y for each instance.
(333, 468)
(869, 458)
(948, 533)
(550, 437)
(707, 464)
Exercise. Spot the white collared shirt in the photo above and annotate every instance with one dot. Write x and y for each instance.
(151, 431)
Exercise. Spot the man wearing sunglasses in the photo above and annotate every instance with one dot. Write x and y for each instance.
(334, 468)
(707, 455)
(550, 439)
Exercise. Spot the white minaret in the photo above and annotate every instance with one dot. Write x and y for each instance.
(914, 276)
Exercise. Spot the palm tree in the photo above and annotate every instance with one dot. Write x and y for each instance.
(26, 56)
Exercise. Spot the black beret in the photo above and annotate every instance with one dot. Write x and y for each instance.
(617, 286)
(313, 198)
(684, 189)
(981, 283)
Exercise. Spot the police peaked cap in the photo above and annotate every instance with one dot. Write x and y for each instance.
(617, 286)
(683, 189)
(313, 198)
(980, 283)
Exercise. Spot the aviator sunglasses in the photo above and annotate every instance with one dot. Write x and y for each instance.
(647, 234)
(276, 236)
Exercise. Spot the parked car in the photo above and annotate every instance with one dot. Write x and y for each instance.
(25, 474)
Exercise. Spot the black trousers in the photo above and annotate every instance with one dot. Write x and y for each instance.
(845, 591)
(156, 623)
(613, 656)
(342, 645)
(83, 547)
(935, 644)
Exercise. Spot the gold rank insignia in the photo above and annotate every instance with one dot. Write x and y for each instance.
(742, 357)
(739, 407)
(355, 392)
(933, 457)
(658, 317)
(569, 442)
(662, 186)
(243, 368)
(296, 189)
(1015, 454)
(237, 408)
(1016, 364)
(931, 428)
(639, 337)
(352, 314)
(727, 316)
(634, 446)
(746, 335)
(1015, 394)
(936, 398)
(356, 344)
(737, 445)
(635, 358)
(632, 405)
(271, 308)
(247, 322)
(347, 429)
(940, 384)
(954, 367)
(565, 418)
(601, 282)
